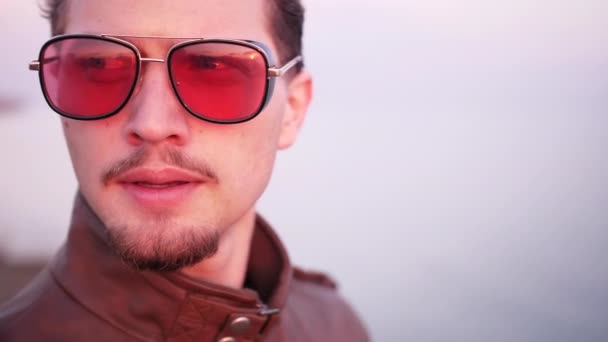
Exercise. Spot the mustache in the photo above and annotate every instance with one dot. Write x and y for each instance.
(169, 155)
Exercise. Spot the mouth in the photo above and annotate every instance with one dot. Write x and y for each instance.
(160, 188)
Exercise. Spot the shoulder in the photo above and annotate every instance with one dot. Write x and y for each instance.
(319, 306)
(21, 314)
(41, 312)
(314, 277)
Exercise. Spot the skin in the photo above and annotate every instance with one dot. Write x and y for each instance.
(240, 156)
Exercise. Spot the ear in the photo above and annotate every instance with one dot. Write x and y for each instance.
(299, 95)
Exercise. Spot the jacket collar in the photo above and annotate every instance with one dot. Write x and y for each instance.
(165, 306)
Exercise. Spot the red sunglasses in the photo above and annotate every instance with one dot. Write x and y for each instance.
(90, 77)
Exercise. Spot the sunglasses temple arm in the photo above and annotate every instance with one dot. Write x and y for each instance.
(278, 72)
(35, 65)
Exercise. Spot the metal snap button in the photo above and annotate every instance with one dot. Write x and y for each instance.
(227, 339)
(240, 325)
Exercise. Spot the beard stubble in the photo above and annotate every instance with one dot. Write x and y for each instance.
(162, 244)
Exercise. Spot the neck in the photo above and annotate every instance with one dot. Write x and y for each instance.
(228, 267)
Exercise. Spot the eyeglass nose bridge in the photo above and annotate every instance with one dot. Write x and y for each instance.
(153, 60)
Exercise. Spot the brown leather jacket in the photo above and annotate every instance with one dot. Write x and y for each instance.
(87, 294)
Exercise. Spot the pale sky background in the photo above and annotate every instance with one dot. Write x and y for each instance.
(451, 175)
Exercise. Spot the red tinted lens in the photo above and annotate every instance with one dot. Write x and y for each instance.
(223, 82)
(87, 77)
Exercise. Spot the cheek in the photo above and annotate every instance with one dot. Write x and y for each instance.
(253, 155)
(262, 136)
(86, 150)
(251, 158)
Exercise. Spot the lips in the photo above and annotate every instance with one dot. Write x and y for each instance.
(159, 177)
(160, 188)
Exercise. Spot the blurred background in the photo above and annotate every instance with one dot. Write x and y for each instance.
(452, 174)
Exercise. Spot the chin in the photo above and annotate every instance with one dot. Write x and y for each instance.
(166, 247)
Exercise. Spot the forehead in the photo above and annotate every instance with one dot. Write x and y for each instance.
(239, 19)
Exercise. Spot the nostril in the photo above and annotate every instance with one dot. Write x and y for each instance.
(174, 138)
(134, 139)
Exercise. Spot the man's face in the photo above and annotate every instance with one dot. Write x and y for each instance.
(166, 184)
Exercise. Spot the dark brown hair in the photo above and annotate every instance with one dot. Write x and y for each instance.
(286, 24)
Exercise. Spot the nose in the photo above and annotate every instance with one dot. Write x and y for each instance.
(155, 114)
